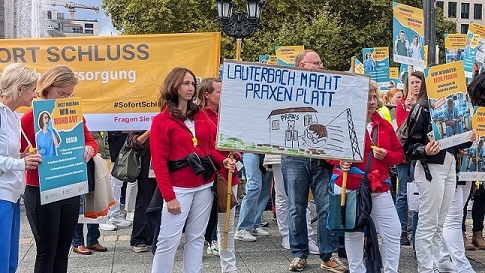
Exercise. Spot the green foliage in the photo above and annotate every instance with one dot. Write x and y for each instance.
(336, 29)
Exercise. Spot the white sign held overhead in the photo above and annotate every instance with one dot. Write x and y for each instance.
(292, 111)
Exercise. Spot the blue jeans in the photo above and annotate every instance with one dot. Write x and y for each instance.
(257, 193)
(10, 230)
(299, 174)
(404, 176)
(92, 237)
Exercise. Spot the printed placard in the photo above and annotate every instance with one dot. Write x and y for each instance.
(450, 108)
(408, 35)
(472, 162)
(267, 59)
(286, 54)
(292, 111)
(59, 138)
(455, 45)
(474, 50)
(359, 67)
(376, 64)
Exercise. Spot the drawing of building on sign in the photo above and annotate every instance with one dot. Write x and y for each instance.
(299, 128)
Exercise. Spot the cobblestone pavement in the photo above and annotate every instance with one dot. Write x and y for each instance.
(264, 255)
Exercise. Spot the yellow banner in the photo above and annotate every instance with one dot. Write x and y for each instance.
(119, 76)
(456, 41)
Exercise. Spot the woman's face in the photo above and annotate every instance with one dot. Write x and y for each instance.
(187, 89)
(415, 39)
(415, 86)
(60, 92)
(45, 120)
(27, 94)
(372, 102)
(367, 56)
(214, 98)
(396, 98)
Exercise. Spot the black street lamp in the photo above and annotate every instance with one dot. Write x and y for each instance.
(239, 25)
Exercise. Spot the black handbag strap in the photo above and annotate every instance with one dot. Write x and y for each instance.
(374, 138)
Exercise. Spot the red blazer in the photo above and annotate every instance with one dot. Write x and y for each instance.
(379, 169)
(27, 122)
(214, 118)
(171, 140)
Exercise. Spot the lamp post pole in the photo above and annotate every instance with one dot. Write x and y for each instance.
(239, 25)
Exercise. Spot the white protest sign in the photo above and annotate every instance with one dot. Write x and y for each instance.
(292, 111)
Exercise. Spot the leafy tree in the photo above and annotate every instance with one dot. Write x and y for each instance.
(337, 29)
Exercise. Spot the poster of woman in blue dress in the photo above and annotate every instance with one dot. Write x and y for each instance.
(47, 138)
(369, 63)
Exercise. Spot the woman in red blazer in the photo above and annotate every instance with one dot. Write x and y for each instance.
(52, 224)
(182, 139)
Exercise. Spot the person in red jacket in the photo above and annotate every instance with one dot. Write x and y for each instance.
(53, 224)
(405, 170)
(387, 151)
(209, 96)
(182, 139)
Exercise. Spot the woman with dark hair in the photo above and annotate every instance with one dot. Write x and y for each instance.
(181, 142)
(46, 138)
(435, 177)
(53, 224)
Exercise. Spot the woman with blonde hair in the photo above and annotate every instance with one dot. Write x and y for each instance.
(388, 110)
(382, 149)
(182, 140)
(52, 224)
(17, 88)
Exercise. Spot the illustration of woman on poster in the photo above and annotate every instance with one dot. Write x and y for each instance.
(47, 138)
(369, 63)
(415, 48)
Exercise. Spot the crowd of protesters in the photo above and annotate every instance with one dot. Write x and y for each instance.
(180, 146)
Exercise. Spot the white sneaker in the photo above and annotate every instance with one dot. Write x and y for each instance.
(140, 248)
(107, 226)
(447, 266)
(259, 232)
(244, 235)
(213, 249)
(130, 215)
(313, 248)
(285, 242)
(120, 222)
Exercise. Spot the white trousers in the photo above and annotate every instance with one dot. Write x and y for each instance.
(131, 192)
(116, 184)
(281, 205)
(385, 217)
(195, 206)
(435, 197)
(228, 257)
(452, 243)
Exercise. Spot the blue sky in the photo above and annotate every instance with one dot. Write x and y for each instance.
(105, 26)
